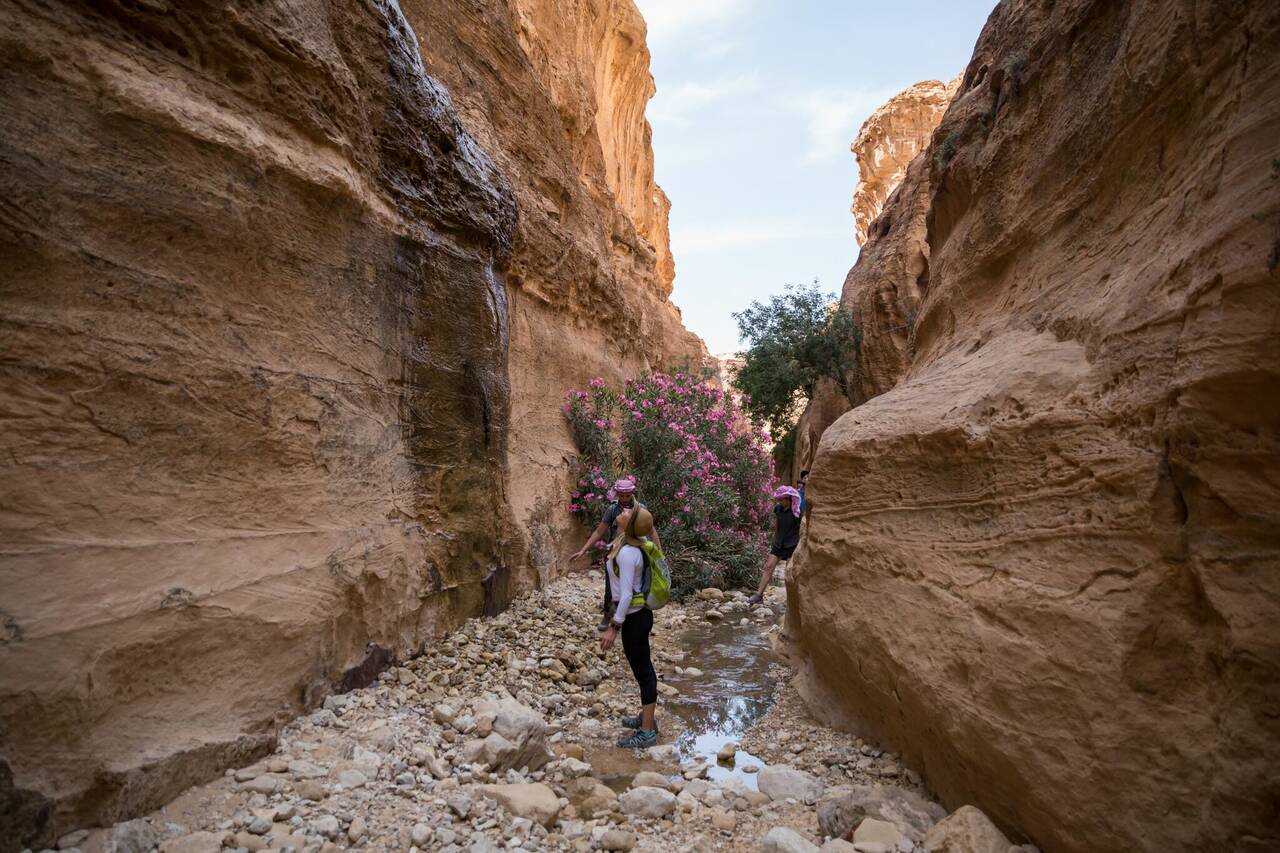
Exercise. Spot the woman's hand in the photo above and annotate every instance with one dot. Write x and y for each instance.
(607, 638)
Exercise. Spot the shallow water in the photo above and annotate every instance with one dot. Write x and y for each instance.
(714, 708)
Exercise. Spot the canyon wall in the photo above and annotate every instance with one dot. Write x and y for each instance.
(283, 316)
(556, 89)
(1043, 565)
(889, 140)
(884, 288)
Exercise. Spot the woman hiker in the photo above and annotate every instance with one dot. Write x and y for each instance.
(625, 489)
(786, 536)
(625, 571)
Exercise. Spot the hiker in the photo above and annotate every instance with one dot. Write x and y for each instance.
(625, 490)
(800, 484)
(625, 570)
(786, 536)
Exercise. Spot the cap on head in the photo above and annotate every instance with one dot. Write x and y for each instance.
(624, 487)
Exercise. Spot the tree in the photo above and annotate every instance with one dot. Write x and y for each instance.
(798, 337)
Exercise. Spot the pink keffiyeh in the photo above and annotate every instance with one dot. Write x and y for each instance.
(788, 492)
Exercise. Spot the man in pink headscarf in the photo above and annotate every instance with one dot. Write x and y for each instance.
(625, 489)
(786, 536)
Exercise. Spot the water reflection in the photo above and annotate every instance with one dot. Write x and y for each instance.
(727, 692)
(732, 692)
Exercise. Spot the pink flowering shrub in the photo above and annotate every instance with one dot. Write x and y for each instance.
(701, 469)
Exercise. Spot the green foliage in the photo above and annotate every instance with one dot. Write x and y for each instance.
(793, 340)
(700, 467)
(946, 151)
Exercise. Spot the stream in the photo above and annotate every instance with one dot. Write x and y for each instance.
(728, 691)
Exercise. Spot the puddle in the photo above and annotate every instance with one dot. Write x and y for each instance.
(713, 708)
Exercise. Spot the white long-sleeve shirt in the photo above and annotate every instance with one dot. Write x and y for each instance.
(626, 573)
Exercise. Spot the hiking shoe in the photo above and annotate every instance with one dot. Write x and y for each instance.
(756, 599)
(639, 740)
(635, 723)
(604, 625)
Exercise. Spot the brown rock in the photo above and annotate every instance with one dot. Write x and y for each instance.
(532, 800)
(556, 92)
(223, 298)
(884, 288)
(889, 140)
(269, 308)
(966, 830)
(1047, 554)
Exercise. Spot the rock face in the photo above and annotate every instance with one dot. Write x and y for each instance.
(556, 90)
(884, 288)
(1042, 566)
(269, 287)
(888, 142)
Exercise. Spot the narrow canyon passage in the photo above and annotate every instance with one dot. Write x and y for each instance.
(331, 328)
(503, 735)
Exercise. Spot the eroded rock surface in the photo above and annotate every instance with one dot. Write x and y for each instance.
(1043, 564)
(889, 140)
(557, 89)
(266, 296)
(884, 288)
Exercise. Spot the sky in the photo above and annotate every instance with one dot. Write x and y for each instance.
(757, 104)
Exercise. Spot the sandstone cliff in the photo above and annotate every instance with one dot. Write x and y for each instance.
(557, 89)
(1043, 566)
(885, 285)
(888, 142)
(269, 312)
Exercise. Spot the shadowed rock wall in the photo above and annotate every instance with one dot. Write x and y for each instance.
(556, 90)
(1044, 565)
(255, 397)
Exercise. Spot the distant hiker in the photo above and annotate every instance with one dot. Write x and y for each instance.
(625, 489)
(800, 484)
(786, 536)
(625, 571)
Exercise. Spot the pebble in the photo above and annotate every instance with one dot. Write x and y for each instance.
(396, 766)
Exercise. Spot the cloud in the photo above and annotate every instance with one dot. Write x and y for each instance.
(699, 239)
(668, 19)
(832, 117)
(675, 105)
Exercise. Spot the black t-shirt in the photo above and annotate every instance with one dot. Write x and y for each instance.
(787, 533)
(611, 516)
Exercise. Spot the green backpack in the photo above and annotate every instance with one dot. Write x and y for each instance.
(656, 589)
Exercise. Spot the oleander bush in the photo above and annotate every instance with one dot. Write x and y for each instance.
(700, 466)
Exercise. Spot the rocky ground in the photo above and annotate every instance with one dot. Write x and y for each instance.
(502, 738)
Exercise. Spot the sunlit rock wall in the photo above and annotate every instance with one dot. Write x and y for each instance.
(1043, 566)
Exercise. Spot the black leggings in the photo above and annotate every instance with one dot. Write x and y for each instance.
(635, 643)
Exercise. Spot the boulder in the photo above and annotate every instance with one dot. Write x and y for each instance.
(780, 839)
(648, 801)
(876, 836)
(494, 750)
(781, 782)
(532, 800)
(648, 778)
(966, 830)
(842, 808)
(133, 836)
(523, 727)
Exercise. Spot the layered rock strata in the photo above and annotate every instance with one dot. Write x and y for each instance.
(556, 89)
(889, 140)
(884, 288)
(1043, 565)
